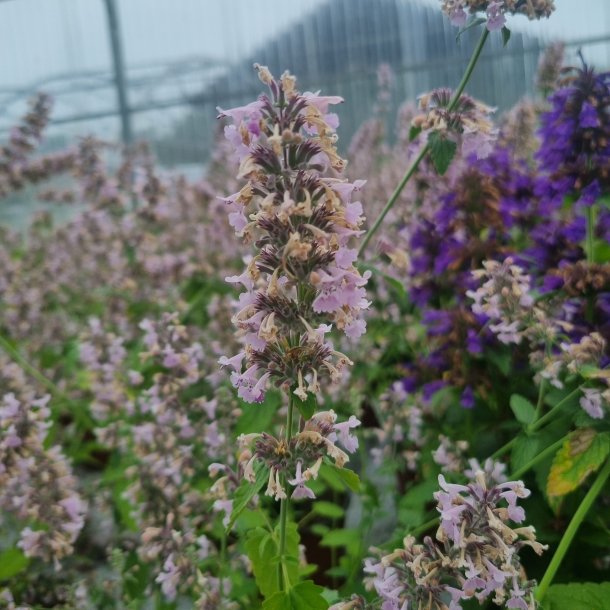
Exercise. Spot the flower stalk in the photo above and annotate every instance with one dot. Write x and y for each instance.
(571, 530)
(426, 148)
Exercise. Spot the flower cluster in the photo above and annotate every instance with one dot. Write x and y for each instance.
(36, 484)
(302, 280)
(505, 298)
(400, 434)
(575, 135)
(467, 124)
(17, 169)
(476, 553)
(457, 10)
(302, 455)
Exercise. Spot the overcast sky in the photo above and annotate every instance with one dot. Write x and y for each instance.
(40, 38)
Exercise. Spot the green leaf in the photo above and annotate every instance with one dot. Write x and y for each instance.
(328, 509)
(414, 132)
(582, 453)
(523, 409)
(505, 35)
(12, 562)
(442, 151)
(136, 576)
(601, 251)
(468, 26)
(257, 418)
(340, 538)
(306, 407)
(502, 360)
(246, 491)
(578, 596)
(262, 548)
(349, 477)
(304, 596)
(525, 449)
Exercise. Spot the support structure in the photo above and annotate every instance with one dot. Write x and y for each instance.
(118, 63)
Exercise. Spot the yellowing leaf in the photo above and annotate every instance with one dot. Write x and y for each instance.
(582, 453)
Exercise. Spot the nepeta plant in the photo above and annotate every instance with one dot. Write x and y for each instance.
(147, 481)
(299, 284)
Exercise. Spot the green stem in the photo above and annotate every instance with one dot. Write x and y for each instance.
(392, 200)
(282, 574)
(541, 456)
(424, 527)
(221, 570)
(422, 153)
(506, 447)
(570, 532)
(536, 425)
(540, 402)
(538, 422)
(79, 414)
(14, 354)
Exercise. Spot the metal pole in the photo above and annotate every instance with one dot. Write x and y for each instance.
(119, 70)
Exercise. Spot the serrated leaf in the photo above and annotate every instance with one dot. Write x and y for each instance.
(578, 596)
(12, 562)
(257, 418)
(246, 491)
(523, 409)
(329, 475)
(505, 35)
(306, 407)
(582, 453)
(262, 548)
(265, 570)
(304, 596)
(350, 478)
(442, 151)
(525, 449)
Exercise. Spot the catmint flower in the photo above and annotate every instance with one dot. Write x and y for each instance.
(298, 460)
(302, 279)
(301, 491)
(36, 484)
(468, 124)
(572, 357)
(475, 555)
(349, 441)
(593, 402)
(449, 454)
(495, 15)
(457, 10)
(506, 299)
(401, 433)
